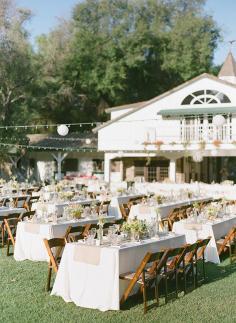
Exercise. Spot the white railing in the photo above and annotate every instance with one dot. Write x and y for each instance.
(207, 133)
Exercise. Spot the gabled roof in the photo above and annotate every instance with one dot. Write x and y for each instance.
(229, 67)
(126, 106)
(163, 95)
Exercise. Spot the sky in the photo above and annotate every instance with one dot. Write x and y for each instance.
(47, 12)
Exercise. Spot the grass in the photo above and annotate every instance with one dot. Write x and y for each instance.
(23, 299)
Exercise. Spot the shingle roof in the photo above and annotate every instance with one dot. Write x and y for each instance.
(229, 67)
(73, 141)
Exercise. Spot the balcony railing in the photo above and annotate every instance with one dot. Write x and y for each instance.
(207, 133)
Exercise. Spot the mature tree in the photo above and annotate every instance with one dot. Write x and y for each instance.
(118, 51)
(15, 59)
(133, 50)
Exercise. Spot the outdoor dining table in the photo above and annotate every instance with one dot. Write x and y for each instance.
(89, 275)
(58, 207)
(116, 201)
(214, 228)
(5, 211)
(146, 212)
(29, 236)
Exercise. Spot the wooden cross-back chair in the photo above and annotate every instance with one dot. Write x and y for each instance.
(53, 256)
(226, 243)
(33, 199)
(22, 201)
(190, 260)
(3, 227)
(28, 214)
(104, 206)
(10, 227)
(124, 209)
(174, 264)
(202, 244)
(76, 233)
(145, 275)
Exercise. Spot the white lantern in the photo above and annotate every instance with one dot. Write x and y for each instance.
(197, 157)
(214, 152)
(218, 120)
(62, 130)
(88, 141)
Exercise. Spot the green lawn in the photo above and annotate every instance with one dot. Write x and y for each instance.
(23, 299)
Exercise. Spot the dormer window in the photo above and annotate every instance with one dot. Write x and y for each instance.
(206, 97)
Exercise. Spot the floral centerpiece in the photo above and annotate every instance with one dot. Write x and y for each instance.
(66, 196)
(159, 198)
(75, 211)
(120, 190)
(137, 228)
(212, 211)
(58, 187)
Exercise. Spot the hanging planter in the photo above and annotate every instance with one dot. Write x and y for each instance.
(158, 144)
(217, 143)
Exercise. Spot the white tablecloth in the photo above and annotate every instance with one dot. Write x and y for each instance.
(29, 237)
(89, 276)
(55, 207)
(164, 209)
(215, 229)
(5, 211)
(114, 207)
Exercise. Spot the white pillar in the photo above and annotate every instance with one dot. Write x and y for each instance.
(107, 168)
(59, 158)
(172, 170)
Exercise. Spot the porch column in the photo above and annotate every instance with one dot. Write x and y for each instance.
(59, 159)
(172, 170)
(107, 168)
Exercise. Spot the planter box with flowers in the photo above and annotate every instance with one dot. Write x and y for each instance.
(217, 143)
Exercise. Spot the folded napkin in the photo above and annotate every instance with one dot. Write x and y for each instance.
(32, 228)
(193, 226)
(87, 254)
(144, 209)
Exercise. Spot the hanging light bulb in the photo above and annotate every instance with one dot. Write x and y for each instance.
(62, 130)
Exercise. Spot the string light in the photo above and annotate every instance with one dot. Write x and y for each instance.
(45, 148)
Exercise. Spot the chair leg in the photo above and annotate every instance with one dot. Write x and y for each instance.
(49, 278)
(8, 247)
(166, 290)
(145, 298)
(156, 292)
(3, 235)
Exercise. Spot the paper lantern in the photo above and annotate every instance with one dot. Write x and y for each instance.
(197, 157)
(88, 141)
(62, 130)
(218, 120)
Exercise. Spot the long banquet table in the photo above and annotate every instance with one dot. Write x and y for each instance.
(114, 207)
(145, 212)
(58, 207)
(5, 211)
(216, 229)
(89, 275)
(29, 237)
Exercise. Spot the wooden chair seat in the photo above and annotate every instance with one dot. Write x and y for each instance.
(221, 241)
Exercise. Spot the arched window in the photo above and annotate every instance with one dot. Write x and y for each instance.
(205, 97)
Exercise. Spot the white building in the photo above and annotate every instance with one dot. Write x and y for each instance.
(176, 134)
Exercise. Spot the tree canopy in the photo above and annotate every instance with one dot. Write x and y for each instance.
(110, 52)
